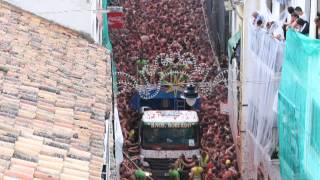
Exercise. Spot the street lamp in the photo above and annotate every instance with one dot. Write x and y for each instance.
(190, 94)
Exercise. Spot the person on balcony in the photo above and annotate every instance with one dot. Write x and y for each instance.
(260, 23)
(299, 11)
(302, 26)
(294, 18)
(257, 19)
(288, 20)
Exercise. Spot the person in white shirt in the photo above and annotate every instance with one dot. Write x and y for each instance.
(277, 31)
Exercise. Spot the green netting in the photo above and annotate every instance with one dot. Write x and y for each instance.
(107, 43)
(299, 109)
(105, 32)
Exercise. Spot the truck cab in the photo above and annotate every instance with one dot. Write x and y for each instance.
(165, 135)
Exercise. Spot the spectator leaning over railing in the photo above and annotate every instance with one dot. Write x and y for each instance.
(299, 11)
(317, 22)
(258, 19)
(294, 18)
(302, 26)
(275, 30)
(299, 24)
(288, 20)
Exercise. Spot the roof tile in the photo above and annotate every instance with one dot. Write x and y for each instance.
(55, 92)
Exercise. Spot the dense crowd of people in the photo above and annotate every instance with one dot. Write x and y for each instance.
(150, 27)
(295, 19)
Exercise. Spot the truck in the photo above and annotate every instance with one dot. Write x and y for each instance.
(168, 127)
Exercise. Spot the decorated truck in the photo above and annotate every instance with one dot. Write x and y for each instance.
(168, 128)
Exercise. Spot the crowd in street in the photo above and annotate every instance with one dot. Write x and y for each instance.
(295, 19)
(150, 27)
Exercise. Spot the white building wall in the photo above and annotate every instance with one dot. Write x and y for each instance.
(315, 7)
(75, 14)
(245, 140)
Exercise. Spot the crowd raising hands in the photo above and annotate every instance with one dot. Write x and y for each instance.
(150, 27)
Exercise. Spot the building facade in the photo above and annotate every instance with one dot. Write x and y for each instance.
(81, 15)
(254, 84)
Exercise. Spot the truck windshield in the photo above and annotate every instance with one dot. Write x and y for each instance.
(170, 138)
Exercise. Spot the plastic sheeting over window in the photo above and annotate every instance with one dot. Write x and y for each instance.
(299, 113)
(262, 82)
(233, 97)
(233, 77)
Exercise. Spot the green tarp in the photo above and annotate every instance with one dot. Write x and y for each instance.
(299, 109)
(105, 32)
(107, 43)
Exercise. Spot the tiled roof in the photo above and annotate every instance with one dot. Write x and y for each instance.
(55, 93)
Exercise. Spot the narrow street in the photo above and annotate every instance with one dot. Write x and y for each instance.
(159, 89)
(150, 28)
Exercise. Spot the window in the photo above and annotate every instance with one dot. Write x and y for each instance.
(315, 126)
(165, 103)
(97, 25)
(170, 138)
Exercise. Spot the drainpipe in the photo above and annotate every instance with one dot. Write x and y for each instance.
(242, 126)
